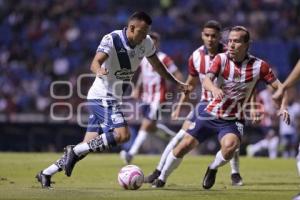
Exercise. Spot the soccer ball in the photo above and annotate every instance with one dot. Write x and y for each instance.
(131, 177)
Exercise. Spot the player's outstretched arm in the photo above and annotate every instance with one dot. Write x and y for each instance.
(161, 69)
(97, 61)
(290, 81)
(192, 81)
(283, 105)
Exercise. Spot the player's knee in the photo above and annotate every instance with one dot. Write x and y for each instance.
(230, 146)
(122, 135)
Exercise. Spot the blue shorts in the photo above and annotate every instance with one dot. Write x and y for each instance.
(150, 111)
(104, 116)
(204, 125)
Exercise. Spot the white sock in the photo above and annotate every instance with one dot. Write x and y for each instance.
(169, 148)
(218, 162)
(139, 140)
(260, 145)
(51, 170)
(171, 164)
(273, 147)
(235, 162)
(83, 148)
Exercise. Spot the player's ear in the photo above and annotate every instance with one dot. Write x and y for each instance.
(131, 28)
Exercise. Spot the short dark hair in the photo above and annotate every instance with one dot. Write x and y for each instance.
(242, 28)
(213, 24)
(140, 15)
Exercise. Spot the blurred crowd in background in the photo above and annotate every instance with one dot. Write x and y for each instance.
(48, 40)
(42, 41)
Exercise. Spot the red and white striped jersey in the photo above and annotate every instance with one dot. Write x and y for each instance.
(237, 80)
(154, 86)
(199, 64)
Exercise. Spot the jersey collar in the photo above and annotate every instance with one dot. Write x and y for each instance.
(126, 38)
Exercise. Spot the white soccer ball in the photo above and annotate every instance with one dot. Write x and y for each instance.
(131, 177)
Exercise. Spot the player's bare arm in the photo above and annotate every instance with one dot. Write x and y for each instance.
(209, 85)
(291, 80)
(283, 106)
(192, 81)
(137, 87)
(98, 60)
(161, 69)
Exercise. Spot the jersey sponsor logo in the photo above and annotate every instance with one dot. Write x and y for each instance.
(117, 118)
(124, 74)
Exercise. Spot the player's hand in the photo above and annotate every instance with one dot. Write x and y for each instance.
(102, 72)
(218, 93)
(277, 96)
(285, 115)
(184, 87)
(135, 93)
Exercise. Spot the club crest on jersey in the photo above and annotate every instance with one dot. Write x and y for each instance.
(237, 78)
(124, 74)
(131, 54)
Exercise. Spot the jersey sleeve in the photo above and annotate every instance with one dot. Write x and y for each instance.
(266, 73)
(106, 45)
(191, 68)
(150, 49)
(169, 63)
(215, 66)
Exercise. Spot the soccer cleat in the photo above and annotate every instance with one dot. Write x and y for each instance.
(150, 179)
(126, 157)
(157, 183)
(44, 179)
(71, 160)
(236, 179)
(209, 178)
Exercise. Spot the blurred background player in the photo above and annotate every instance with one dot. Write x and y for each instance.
(152, 89)
(237, 73)
(117, 58)
(266, 126)
(198, 65)
(288, 83)
(289, 134)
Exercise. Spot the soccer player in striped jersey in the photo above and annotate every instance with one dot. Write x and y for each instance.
(236, 72)
(153, 93)
(116, 60)
(198, 65)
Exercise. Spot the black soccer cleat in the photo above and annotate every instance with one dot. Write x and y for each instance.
(236, 179)
(44, 179)
(150, 179)
(71, 160)
(157, 183)
(209, 178)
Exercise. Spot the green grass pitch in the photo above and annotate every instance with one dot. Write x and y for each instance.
(95, 177)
